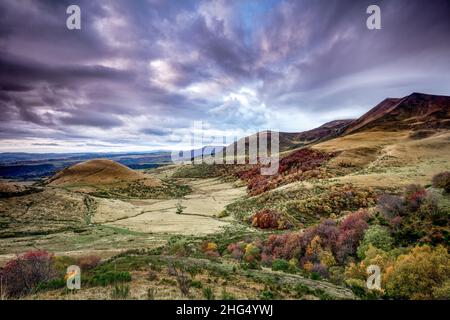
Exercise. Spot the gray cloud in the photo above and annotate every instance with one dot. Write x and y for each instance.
(148, 69)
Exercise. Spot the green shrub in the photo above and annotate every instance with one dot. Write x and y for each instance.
(180, 208)
(301, 290)
(196, 284)
(266, 295)
(51, 285)
(281, 265)
(208, 293)
(62, 262)
(377, 236)
(360, 289)
(315, 276)
(322, 295)
(106, 278)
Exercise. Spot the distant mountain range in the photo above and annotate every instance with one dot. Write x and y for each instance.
(35, 166)
(417, 111)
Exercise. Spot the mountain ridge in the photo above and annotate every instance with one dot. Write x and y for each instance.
(412, 112)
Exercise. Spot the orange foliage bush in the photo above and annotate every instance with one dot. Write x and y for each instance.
(210, 249)
(270, 219)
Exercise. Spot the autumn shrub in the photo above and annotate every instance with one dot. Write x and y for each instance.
(88, 262)
(391, 206)
(284, 246)
(417, 216)
(62, 262)
(270, 219)
(302, 164)
(22, 274)
(442, 292)
(414, 196)
(303, 160)
(237, 250)
(328, 232)
(320, 270)
(442, 181)
(335, 199)
(210, 249)
(355, 274)
(351, 232)
(324, 246)
(252, 253)
(418, 274)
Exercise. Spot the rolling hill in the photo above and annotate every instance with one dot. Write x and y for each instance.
(99, 172)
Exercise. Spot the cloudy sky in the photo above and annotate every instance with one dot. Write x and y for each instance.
(139, 73)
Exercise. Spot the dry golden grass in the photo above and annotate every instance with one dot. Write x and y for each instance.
(164, 288)
(100, 172)
(389, 159)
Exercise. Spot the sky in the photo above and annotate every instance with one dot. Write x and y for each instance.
(139, 74)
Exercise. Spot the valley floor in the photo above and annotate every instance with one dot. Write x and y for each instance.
(201, 232)
(120, 225)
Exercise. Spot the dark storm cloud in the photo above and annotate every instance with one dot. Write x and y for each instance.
(150, 68)
(28, 71)
(46, 144)
(93, 119)
(155, 131)
(332, 43)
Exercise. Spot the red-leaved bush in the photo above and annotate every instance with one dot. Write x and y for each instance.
(415, 195)
(312, 246)
(88, 262)
(270, 219)
(210, 249)
(20, 275)
(284, 246)
(300, 165)
(416, 216)
(351, 232)
(237, 250)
